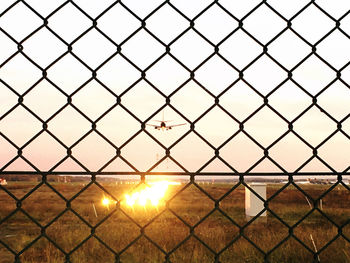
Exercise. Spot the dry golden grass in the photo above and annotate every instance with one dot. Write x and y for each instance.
(167, 231)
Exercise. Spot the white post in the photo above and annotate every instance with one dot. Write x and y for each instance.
(253, 204)
(307, 199)
(93, 205)
(313, 242)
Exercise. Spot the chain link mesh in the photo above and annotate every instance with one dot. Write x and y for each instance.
(167, 51)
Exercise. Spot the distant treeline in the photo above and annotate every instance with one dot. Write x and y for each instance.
(53, 178)
(20, 177)
(77, 178)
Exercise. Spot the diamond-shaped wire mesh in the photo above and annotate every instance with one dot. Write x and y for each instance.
(129, 61)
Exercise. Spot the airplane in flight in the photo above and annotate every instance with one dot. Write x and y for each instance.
(163, 125)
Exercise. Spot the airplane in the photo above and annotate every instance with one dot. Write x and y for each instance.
(163, 125)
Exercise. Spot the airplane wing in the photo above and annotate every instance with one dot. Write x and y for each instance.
(160, 121)
(156, 126)
(170, 126)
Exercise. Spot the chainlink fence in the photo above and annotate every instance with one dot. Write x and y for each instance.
(337, 126)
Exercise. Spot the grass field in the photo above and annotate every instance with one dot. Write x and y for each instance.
(167, 230)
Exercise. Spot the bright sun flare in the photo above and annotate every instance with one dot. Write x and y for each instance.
(152, 194)
(106, 201)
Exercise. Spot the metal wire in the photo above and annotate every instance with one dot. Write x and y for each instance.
(167, 98)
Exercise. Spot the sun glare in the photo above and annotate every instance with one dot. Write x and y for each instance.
(151, 194)
(106, 201)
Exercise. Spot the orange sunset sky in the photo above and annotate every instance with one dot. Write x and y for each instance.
(218, 78)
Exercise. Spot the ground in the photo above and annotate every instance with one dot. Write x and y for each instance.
(169, 228)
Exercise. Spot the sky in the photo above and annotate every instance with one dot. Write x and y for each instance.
(218, 78)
